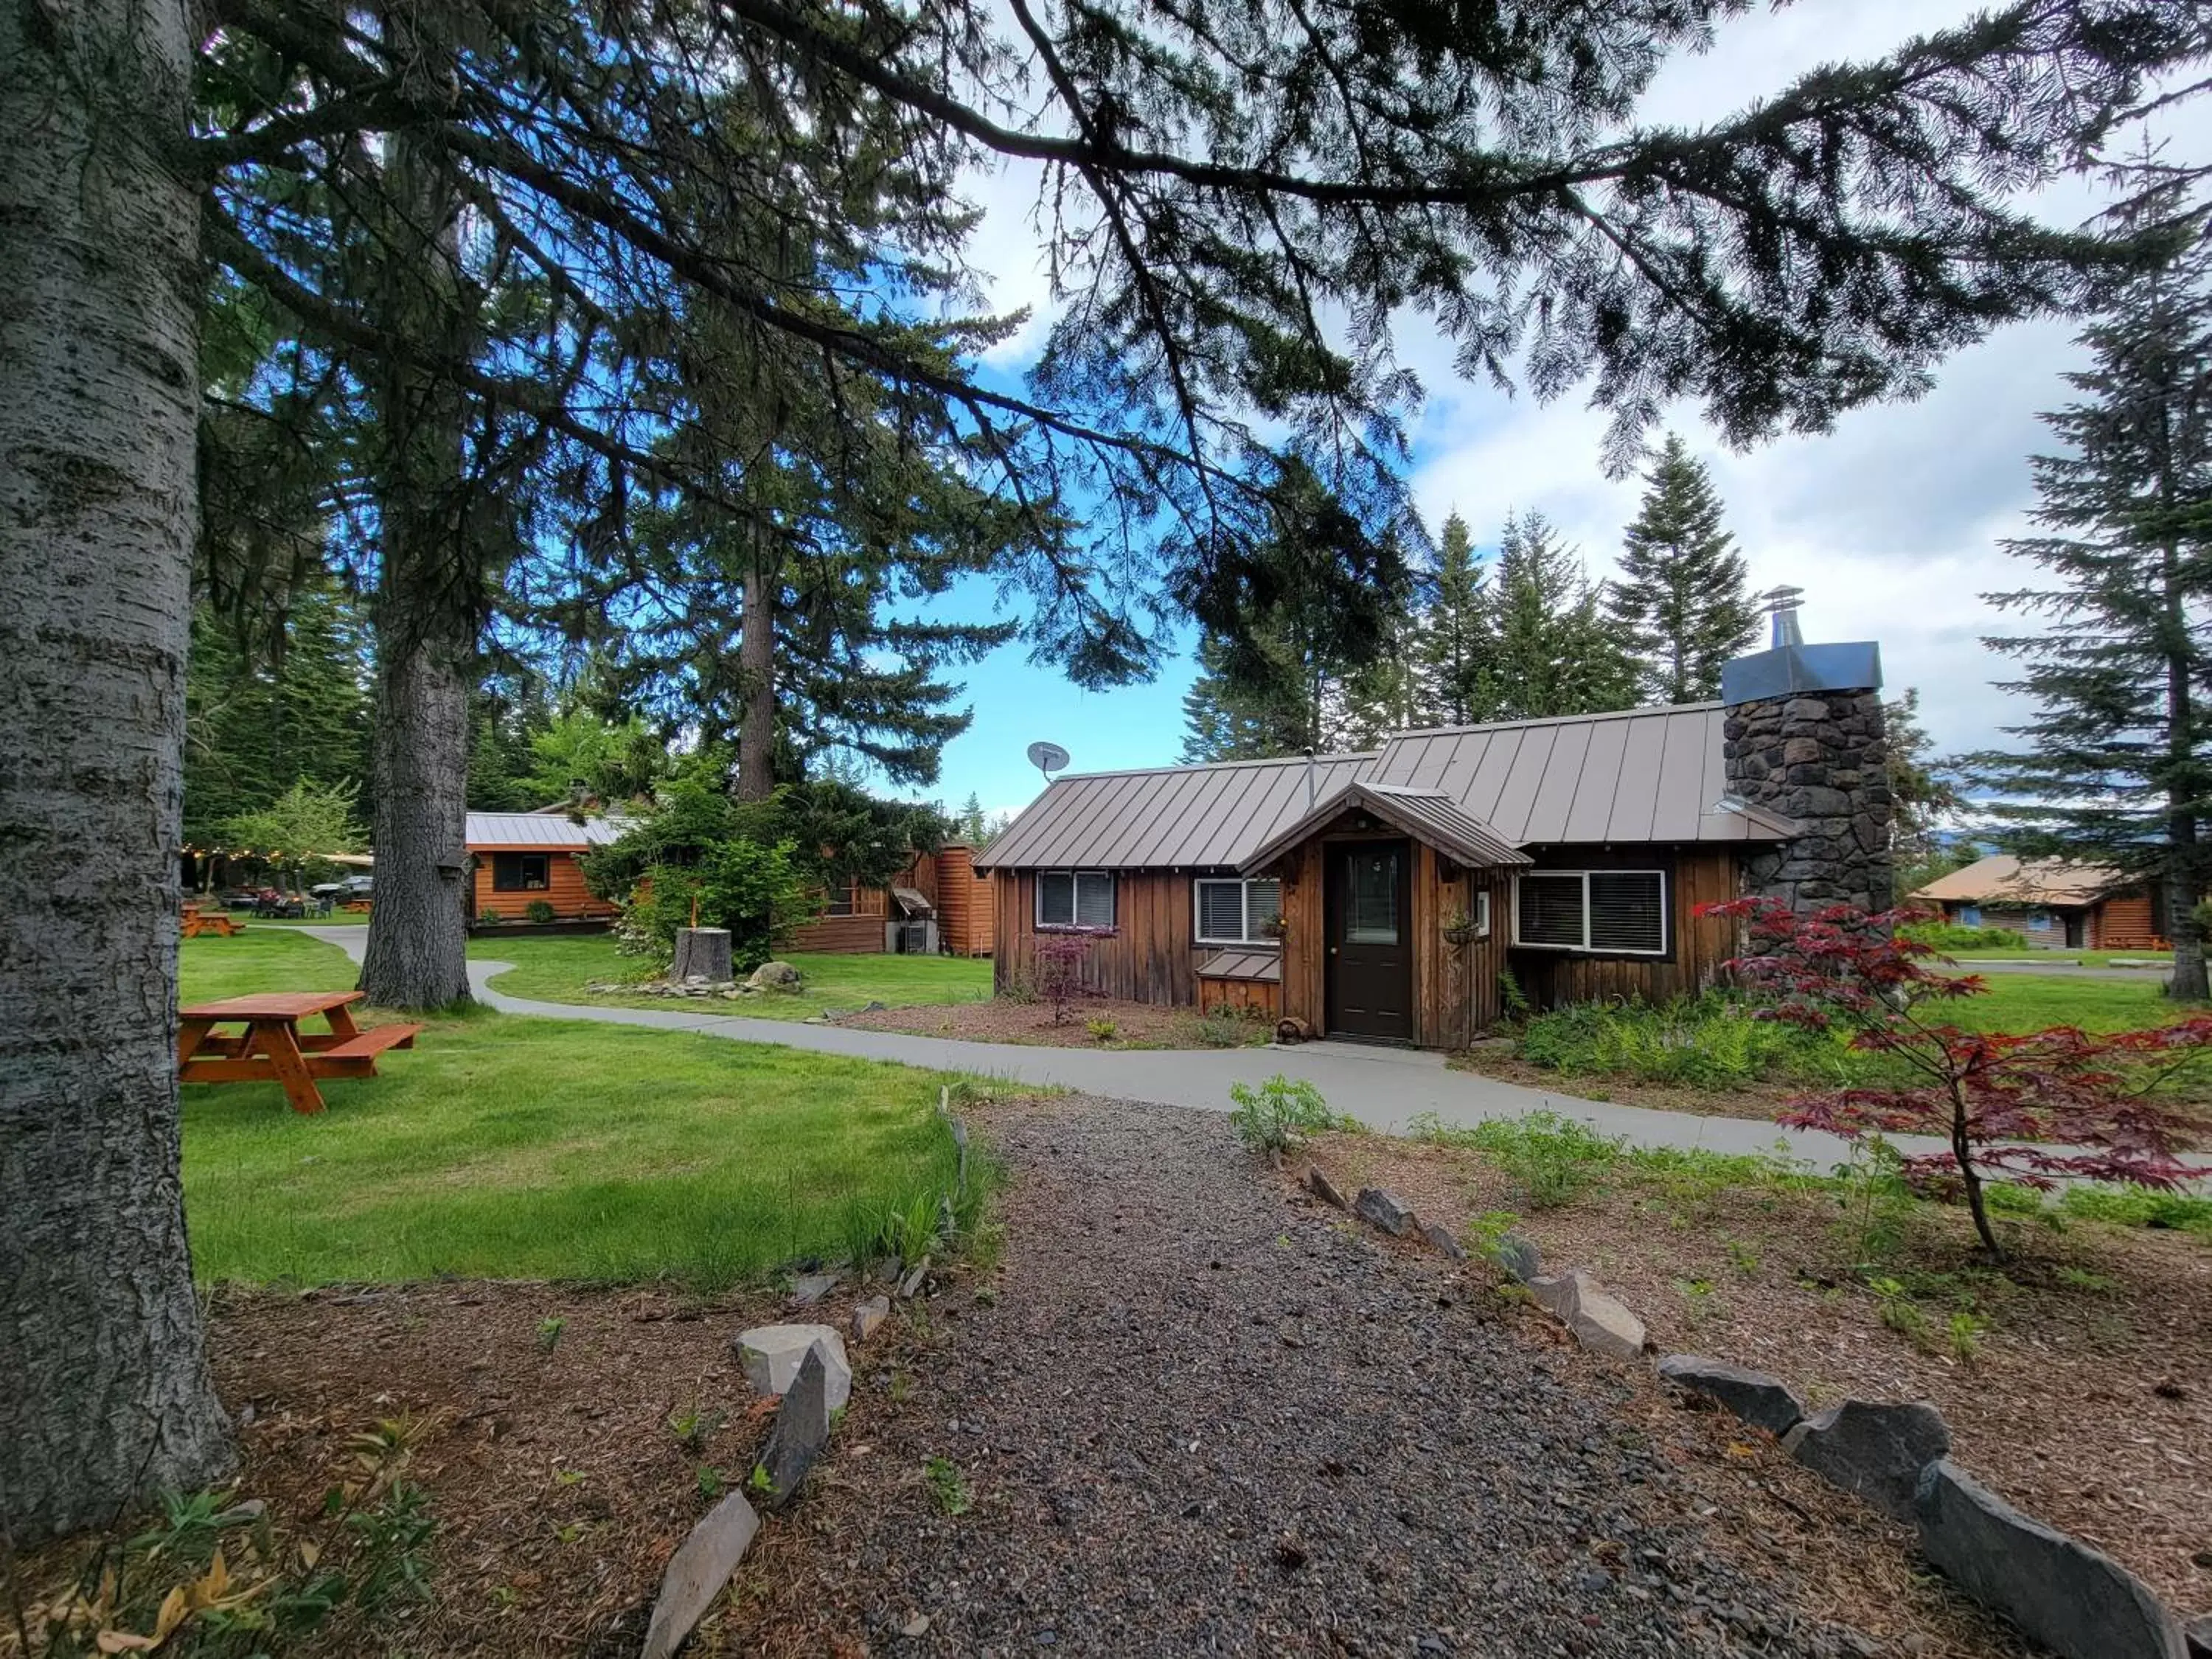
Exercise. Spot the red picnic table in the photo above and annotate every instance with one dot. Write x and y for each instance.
(272, 1048)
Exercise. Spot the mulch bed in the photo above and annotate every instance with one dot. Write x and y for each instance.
(1136, 1024)
(2088, 1404)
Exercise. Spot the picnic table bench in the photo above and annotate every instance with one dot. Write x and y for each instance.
(273, 1049)
(198, 921)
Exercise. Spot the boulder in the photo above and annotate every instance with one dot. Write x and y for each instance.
(1517, 1256)
(1602, 1323)
(1556, 1293)
(1440, 1240)
(1323, 1188)
(809, 1288)
(1875, 1451)
(1757, 1398)
(774, 976)
(773, 1354)
(869, 1317)
(702, 1564)
(801, 1430)
(2077, 1601)
(1381, 1207)
(2197, 1634)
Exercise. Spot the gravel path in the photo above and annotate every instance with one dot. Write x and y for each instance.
(1198, 1419)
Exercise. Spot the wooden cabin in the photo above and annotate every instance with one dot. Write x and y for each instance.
(2054, 904)
(936, 905)
(1392, 896)
(519, 857)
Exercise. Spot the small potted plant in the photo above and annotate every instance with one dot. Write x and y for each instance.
(1276, 927)
(1464, 927)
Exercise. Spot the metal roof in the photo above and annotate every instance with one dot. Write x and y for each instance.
(1170, 818)
(2002, 879)
(539, 831)
(1264, 967)
(1644, 774)
(1428, 814)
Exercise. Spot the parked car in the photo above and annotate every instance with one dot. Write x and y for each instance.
(352, 887)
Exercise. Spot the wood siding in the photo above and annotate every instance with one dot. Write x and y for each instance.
(965, 909)
(564, 889)
(1696, 876)
(1151, 957)
(2127, 922)
(1262, 997)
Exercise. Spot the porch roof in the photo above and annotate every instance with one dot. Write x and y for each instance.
(1427, 815)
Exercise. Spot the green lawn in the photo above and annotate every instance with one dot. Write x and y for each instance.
(2084, 958)
(2030, 1002)
(518, 1147)
(557, 969)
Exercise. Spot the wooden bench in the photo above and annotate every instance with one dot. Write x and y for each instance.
(198, 921)
(356, 1055)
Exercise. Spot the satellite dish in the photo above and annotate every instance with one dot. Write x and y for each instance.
(1048, 758)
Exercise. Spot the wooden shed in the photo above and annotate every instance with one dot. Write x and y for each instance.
(525, 858)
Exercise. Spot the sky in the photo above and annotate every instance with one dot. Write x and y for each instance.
(1891, 523)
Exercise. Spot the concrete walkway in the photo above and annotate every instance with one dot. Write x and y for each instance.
(1385, 1089)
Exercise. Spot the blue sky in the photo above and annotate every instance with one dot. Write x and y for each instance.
(1891, 523)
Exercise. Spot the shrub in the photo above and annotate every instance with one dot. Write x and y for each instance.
(541, 910)
(1553, 1159)
(1061, 958)
(1225, 1027)
(1951, 936)
(1101, 1030)
(1280, 1114)
(1710, 1041)
(757, 892)
(488, 919)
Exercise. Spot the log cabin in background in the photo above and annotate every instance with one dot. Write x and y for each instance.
(2053, 904)
(1393, 895)
(936, 904)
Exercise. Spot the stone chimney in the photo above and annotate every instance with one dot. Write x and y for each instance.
(1804, 738)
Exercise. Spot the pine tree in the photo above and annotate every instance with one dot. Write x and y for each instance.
(1454, 640)
(1245, 717)
(2116, 769)
(1922, 793)
(1555, 652)
(1680, 606)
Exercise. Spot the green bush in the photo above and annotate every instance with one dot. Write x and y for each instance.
(1279, 1115)
(2140, 1206)
(1950, 936)
(758, 892)
(1224, 1027)
(541, 910)
(1553, 1159)
(1708, 1041)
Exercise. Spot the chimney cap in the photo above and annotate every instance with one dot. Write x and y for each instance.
(1788, 670)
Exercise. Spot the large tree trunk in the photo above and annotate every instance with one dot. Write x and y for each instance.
(756, 686)
(429, 598)
(104, 1389)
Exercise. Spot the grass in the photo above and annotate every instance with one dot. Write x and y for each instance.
(517, 1147)
(561, 968)
(2029, 1002)
(2079, 958)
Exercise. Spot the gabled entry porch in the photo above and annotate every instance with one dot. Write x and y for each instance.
(1393, 909)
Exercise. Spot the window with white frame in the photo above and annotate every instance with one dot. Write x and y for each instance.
(1237, 912)
(1075, 898)
(1605, 912)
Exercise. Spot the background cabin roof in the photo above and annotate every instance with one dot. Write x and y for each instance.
(539, 832)
(1645, 774)
(2001, 878)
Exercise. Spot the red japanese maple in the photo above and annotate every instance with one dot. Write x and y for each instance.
(2031, 1106)
(1061, 956)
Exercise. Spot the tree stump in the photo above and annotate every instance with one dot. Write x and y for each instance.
(701, 953)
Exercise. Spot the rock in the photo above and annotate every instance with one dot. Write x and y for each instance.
(872, 1007)
(1440, 1240)
(801, 1430)
(2196, 1636)
(1556, 1293)
(870, 1315)
(1876, 1450)
(773, 1354)
(1381, 1207)
(774, 976)
(916, 1627)
(1602, 1323)
(809, 1288)
(697, 1571)
(2077, 1601)
(1518, 1256)
(1757, 1398)
(1323, 1188)
(911, 1285)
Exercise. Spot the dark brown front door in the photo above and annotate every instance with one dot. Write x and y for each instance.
(1370, 940)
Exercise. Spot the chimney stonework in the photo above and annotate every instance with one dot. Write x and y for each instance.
(1819, 757)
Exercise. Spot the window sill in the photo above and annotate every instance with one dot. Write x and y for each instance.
(1606, 955)
(1268, 944)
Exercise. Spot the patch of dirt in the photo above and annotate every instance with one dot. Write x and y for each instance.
(2087, 1402)
(1136, 1024)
